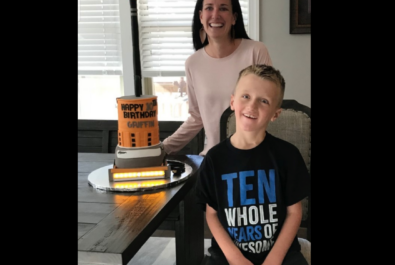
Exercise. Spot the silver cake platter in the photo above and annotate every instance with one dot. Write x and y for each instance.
(99, 179)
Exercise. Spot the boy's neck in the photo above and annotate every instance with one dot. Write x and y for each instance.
(247, 140)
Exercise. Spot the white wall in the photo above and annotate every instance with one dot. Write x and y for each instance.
(290, 53)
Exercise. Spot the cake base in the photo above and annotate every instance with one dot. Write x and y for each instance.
(99, 179)
(136, 157)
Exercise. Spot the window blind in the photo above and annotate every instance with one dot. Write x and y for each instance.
(99, 38)
(165, 35)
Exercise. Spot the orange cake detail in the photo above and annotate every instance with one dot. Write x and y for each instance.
(138, 121)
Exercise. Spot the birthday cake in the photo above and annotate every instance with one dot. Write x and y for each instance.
(139, 145)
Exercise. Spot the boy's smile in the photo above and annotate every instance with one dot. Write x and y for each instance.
(255, 103)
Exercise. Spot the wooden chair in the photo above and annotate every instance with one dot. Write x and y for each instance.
(294, 126)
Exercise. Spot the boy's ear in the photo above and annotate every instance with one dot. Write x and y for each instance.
(276, 114)
(232, 99)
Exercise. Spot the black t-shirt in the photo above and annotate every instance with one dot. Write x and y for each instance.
(251, 189)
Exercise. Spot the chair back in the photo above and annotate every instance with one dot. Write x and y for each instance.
(294, 126)
(101, 136)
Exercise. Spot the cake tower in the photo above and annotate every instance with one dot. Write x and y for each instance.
(139, 153)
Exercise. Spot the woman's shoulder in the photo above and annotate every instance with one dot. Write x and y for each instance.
(196, 56)
(254, 44)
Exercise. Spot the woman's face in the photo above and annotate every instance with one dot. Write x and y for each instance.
(217, 18)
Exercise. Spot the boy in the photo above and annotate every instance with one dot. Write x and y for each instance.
(251, 185)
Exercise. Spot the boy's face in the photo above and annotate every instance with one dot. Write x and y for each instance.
(255, 103)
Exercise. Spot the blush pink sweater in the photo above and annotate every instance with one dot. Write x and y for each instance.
(210, 84)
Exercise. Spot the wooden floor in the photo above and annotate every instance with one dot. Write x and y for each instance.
(160, 251)
(160, 248)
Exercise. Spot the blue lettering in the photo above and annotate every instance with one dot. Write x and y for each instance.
(258, 229)
(270, 189)
(242, 235)
(229, 180)
(235, 232)
(244, 187)
(230, 230)
(250, 233)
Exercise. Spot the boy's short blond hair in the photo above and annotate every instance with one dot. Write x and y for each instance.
(266, 72)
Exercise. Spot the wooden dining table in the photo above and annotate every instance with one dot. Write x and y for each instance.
(113, 226)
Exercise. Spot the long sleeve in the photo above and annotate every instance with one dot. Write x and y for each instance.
(262, 56)
(210, 83)
(190, 127)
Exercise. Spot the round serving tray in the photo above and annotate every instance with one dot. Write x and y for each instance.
(99, 179)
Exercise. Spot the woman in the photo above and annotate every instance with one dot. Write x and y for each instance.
(222, 50)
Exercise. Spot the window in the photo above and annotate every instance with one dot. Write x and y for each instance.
(165, 30)
(172, 98)
(105, 53)
(103, 50)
